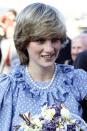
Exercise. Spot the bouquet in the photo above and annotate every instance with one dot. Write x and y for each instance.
(52, 118)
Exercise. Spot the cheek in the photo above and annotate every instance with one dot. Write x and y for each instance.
(57, 46)
(57, 50)
(73, 50)
(33, 52)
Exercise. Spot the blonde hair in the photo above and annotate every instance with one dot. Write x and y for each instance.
(37, 21)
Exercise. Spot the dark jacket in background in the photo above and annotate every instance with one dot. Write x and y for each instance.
(65, 52)
(81, 62)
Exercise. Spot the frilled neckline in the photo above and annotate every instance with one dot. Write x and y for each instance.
(58, 91)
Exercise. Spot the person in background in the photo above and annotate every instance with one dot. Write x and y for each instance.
(81, 63)
(8, 51)
(8, 19)
(81, 60)
(11, 15)
(38, 81)
(2, 36)
(78, 44)
(9, 54)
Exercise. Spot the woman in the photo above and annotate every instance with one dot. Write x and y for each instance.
(39, 81)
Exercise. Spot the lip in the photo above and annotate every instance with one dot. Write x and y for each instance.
(48, 57)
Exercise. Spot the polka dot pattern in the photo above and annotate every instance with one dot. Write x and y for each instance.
(18, 94)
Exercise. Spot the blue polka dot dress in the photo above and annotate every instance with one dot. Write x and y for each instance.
(18, 94)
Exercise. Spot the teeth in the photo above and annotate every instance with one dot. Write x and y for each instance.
(47, 56)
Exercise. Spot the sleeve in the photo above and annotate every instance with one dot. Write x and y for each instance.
(5, 103)
(80, 83)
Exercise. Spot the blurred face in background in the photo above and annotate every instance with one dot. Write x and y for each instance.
(9, 19)
(77, 46)
(11, 16)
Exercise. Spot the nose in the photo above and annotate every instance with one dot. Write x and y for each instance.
(48, 46)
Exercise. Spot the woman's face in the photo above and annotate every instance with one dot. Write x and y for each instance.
(43, 52)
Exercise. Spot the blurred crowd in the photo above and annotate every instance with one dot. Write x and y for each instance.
(8, 55)
(72, 51)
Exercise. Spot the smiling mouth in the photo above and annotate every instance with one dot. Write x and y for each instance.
(48, 56)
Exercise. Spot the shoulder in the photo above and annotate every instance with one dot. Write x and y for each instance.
(10, 85)
(77, 76)
(69, 70)
(82, 56)
(8, 81)
(17, 73)
(81, 75)
(5, 86)
(75, 79)
(65, 68)
(84, 53)
(4, 80)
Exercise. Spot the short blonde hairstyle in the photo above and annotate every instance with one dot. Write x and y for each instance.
(36, 21)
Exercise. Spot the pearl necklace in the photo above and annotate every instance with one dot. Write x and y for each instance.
(42, 88)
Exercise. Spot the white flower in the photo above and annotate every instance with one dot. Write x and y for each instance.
(65, 113)
(48, 113)
(37, 122)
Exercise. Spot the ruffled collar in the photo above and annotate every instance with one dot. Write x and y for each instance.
(60, 89)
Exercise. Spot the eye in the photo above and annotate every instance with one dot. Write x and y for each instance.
(41, 40)
(54, 40)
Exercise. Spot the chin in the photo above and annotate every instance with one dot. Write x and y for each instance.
(48, 64)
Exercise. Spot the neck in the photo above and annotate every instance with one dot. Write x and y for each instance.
(44, 74)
